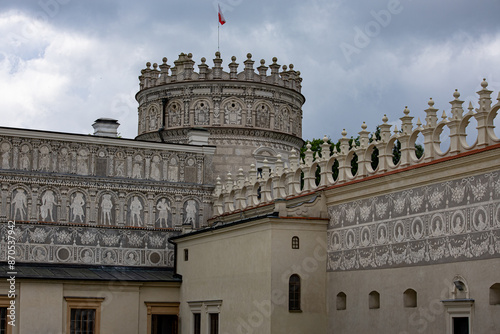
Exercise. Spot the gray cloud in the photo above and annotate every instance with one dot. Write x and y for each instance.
(67, 62)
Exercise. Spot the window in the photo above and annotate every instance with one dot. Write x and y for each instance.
(162, 317)
(186, 254)
(5, 328)
(196, 323)
(460, 325)
(83, 315)
(214, 323)
(205, 316)
(495, 294)
(374, 300)
(163, 324)
(295, 242)
(294, 293)
(82, 321)
(410, 298)
(459, 307)
(341, 301)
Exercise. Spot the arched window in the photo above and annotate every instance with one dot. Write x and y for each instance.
(410, 298)
(495, 294)
(341, 301)
(294, 293)
(295, 242)
(374, 300)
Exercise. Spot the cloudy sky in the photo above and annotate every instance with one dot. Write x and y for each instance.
(65, 63)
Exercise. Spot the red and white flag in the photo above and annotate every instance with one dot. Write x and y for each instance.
(222, 20)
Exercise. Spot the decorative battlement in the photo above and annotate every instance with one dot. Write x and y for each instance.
(394, 150)
(183, 70)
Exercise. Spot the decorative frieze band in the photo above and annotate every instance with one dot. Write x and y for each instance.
(451, 221)
(44, 243)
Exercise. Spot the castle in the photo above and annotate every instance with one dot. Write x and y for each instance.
(208, 221)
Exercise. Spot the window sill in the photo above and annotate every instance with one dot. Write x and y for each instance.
(295, 311)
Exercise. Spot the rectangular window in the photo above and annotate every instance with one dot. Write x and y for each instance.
(196, 323)
(214, 323)
(163, 317)
(83, 315)
(163, 324)
(186, 254)
(460, 325)
(82, 321)
(5, 328)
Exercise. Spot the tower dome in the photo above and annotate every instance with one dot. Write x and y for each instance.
(250, 116)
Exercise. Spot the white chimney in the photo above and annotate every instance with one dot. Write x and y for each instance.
(106, 127)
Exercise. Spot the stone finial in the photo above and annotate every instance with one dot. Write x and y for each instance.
(431, 118)
(363, 136)
(396, 131)
(443, 116)
(325, 148)
(233, 69)
(471, 107)
(249, 73)
(252, 174)
(456, 107)
(406, 111)
(419, 123)
(484, 98)
(484, 84)
(385, 118)
(262, 71)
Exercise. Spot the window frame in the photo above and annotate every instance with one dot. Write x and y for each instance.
(5, 303)
(196, 325)
(294, 293)
(161, 308)
(84, 303)
(295, 242)
(205, 309)
(211, 317)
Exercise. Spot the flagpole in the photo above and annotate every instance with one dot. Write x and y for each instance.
(218, 26)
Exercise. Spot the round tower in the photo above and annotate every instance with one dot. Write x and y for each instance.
(251, 116)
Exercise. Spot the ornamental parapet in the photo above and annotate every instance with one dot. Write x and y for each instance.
(391, 148)
(183, 70)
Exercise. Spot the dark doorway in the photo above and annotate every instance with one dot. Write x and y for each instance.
(461, 325)
(163, 324)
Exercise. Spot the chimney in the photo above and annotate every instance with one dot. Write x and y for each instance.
(106, 127)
